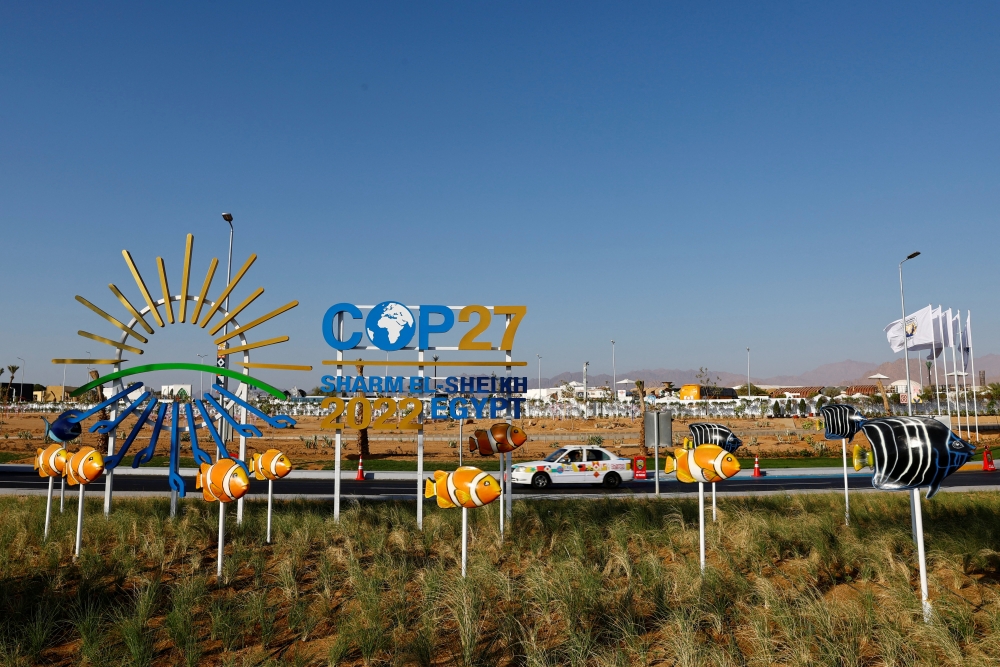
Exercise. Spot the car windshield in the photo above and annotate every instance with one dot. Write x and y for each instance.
(554, 456)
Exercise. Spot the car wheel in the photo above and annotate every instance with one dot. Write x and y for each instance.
(612, 480)
(540, 480)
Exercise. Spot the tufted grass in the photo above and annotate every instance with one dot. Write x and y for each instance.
(575, 582)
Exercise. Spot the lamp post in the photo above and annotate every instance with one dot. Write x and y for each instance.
(586, 412)
(539, 380)
(24, 366)
(748, 376)
(224, 382)
(906, 343)
(614, 372)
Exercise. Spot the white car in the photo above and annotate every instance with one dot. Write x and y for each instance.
(575, 465)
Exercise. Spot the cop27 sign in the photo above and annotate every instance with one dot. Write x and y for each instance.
(391, 326)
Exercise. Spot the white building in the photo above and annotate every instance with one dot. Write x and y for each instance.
(172, 390)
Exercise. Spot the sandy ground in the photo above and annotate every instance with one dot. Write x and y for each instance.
(24, 433)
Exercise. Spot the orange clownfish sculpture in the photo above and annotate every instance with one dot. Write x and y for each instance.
(225, 481)
(704, 463)
(466, 487)
(499, 439)
(272, 464)
(51, 461)
(84, 466)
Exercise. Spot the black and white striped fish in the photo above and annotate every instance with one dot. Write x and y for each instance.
(714, 434)
(907, 452)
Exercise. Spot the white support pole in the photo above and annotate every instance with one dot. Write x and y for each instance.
(48, 508)
(270, 500)
(243, 454)
(222, 539)
(847, 498)
(715, 517)
(461, 442)
(62, 493)
(975, 388)
(79, 523)
(109, 475)
(656, 451)
(507, 482)
(337, 433)
(701, 524)
(465, 539)
(921, 554)
(420, 452)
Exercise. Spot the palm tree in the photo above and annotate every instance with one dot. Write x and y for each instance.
(10, 385)
(640, 394)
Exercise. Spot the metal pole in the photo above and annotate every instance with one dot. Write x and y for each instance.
(847, 499)
(906, 343)
(465, 538)
(79, 523)
(461, 441)
(656, 451)
(222, 539)
(48, 508)
(270, 500)
(337, 434)
(614, 373)
(921, 554)
(701, 524)
(586, 414)
(62, 494)
(420, 454)
(975, 389)
(539, 378)
(748, 377)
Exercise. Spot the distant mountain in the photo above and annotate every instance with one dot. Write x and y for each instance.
(841, 373)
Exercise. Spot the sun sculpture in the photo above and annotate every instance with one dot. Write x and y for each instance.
(210, 414)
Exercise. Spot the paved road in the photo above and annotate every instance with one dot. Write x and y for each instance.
(27, 481)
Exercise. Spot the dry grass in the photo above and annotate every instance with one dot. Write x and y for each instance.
(608, 582)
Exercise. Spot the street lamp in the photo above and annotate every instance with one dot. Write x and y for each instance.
(24, 367)
(539, 378)
(748, 375)
(906, 343)
(586, 412)
(614, 373)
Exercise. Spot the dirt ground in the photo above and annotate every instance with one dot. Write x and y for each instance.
(310, 446)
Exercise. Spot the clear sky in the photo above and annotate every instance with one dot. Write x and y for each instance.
(688, 179)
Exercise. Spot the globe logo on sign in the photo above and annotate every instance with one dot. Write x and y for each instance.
(390, 326)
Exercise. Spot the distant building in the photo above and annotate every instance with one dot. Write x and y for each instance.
(179, 391)
(54, 394)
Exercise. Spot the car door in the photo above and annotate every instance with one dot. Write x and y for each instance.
(573, 467)
(597, 465)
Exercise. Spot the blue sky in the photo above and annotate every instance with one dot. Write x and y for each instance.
(688, 179)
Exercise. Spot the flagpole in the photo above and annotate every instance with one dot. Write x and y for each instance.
(944, 360)
(972, 360)
(906, 343)
(965, 386)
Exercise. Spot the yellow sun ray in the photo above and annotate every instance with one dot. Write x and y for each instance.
(124, 327)
(108, 341)
(277, 367)
(128, 306)
(252, 346)
(229, 288)
(94, 362)
(166, 290)
(204, 289)
(236, 311)
(184, 278)
(142, 287)
(260, 320)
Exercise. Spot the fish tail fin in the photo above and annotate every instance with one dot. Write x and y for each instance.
(429, 489)
(199, 480)
(255, 467)
(38, 455)
(862, 458)
(71, 480)
(473, 445)
(842, 421)
(933, 489)
(669, 464)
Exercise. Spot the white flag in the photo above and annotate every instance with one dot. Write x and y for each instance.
(948, 329)
(967, 341)
(918, 333)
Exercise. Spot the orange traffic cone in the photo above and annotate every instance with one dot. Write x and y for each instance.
(988, 460)
(360, 477)
(756, 466)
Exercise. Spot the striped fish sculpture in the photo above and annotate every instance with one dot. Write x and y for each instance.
(84, 466)
(272, 464)
(225, 481)
(499, 439)
(704, 463)
(907, 452)
(466, 487)
(714, 434)
(51, 461)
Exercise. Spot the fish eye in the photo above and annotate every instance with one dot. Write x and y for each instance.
(486, 484)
